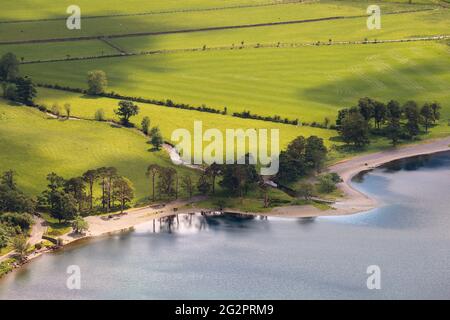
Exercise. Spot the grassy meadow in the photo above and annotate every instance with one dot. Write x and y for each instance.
(184, 18)
(307, 82)
(34, 145)
(170, 119)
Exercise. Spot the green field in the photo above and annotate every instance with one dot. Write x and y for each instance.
(170, 119)
(34, 145)
(60, 50)
(307, 83)
(294, 80)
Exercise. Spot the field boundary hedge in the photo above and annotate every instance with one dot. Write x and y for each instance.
(203, 108)
(239, 47)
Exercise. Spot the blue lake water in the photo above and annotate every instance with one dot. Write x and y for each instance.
(228, 257)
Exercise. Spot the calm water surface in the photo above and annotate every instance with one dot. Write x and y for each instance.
(230, 257)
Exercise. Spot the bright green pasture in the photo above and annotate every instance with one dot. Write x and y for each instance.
(309, 83)
(59, 50)
(21, 9)
(184, 20)
(418, 24)
(170, 119)
(33, 145)
(401, 26)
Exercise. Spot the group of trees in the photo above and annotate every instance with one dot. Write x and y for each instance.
(126, 110)
(66, 199)
(302, 156)
(237, 179)
(15, 87)
(356, 124)
(15, 209)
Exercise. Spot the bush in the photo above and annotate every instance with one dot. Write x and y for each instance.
(23, 220)
(327, 182)
(100, 115)
(56, 110)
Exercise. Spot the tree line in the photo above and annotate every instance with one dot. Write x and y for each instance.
(65, 199)
(15, 87)
(397, 122)
(15, 212)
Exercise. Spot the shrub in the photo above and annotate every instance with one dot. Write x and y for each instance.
(56, 110)
(23, 220)
(328, 181)
(100, 115)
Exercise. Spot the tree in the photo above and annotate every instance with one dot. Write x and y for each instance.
(265, 191)
(436, 110)
(315, 153)
(355, 129)
(326, 183)
(9, 91)
(100, 115)
(186, 183)
(379, 113)
(66, 206)
(97, 82)
(295, 154)
(75, 187)
(305, 190)
(9, 67)
(213, 171)
(107, 175)
(393, 116)
(8, 179)
(427, 116)
(63, 205)
(67, 108)
(11, 198)
(126, 110)
(166, 181)
(14, 219)
(366, 108)
(145, 125)
(239, 178)
(79, 225)
(203, 185)
(25, 90)
(20, 246)
(156, 138)
(152, 171)
(123, 191)
(90, 177)
(412, 115)
(56, 110)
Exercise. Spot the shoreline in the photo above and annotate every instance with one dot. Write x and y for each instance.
(353, 201)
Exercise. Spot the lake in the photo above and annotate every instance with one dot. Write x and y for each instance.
(232, 257)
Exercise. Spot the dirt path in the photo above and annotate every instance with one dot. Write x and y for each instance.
(37, 231)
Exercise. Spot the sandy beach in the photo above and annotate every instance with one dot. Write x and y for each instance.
(352, 202)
